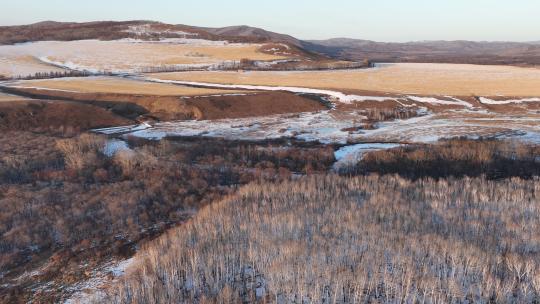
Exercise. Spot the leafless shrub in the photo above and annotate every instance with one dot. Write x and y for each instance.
(456, 157)
(350, 240)
(385, 114)
(82, 151)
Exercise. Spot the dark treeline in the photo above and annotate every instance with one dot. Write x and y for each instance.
(386, 114)
(458, 157)
(62, 74)
(253, 65)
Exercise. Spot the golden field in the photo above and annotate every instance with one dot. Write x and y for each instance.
(116, 85)
(403, 78)
(7, 97)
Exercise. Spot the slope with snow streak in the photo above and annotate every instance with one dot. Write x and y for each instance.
(335, 95)
(488, 101)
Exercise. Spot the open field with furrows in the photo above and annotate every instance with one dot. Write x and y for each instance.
(125, 56)
(118, 86)
(403, 78)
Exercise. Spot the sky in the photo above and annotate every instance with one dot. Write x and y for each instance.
(380, 20)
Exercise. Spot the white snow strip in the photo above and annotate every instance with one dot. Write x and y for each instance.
(123, 129)
(39, 88)
(485, 100)
(355, 149)
(187, 41)
(68, 65)
(334, 95)
(220, 95)
(147, 30)
(437, 101)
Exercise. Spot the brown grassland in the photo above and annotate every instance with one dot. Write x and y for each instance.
(56, 117)
(404, 78)
(155, 104)
(118, 86)
(7, 97)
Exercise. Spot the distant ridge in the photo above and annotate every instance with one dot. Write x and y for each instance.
(253, 32)
(460, 51)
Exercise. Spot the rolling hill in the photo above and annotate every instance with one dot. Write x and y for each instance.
(429, 51)
(514, 53)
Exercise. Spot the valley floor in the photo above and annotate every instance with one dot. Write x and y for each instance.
(193, 155)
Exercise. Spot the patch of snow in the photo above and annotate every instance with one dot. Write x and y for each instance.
(89, 291)
(347, 151)
(114, 146)
(68, 65)
(123, 129)
(147, 30)
(351, 155)
(220, 95)
(187, 41)
(269, 64)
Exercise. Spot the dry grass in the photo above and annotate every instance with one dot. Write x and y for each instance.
(119, 86)
(9, 98)
(413, 78)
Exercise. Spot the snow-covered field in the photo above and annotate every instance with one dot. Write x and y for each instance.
(122, 56)
(334, 127)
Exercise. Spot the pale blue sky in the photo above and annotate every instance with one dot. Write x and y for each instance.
(381, 20)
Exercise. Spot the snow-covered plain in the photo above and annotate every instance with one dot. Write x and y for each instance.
(122, 56)
(334, 127)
